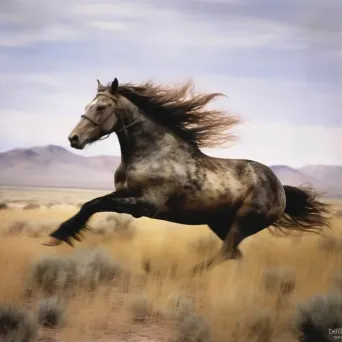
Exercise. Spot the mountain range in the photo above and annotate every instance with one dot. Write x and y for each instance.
(54, 166)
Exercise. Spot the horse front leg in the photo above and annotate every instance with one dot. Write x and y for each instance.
(114, 202)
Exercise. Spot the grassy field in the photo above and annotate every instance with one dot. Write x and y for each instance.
(99, 291)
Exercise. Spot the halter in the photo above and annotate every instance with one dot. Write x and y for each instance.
(98, 124)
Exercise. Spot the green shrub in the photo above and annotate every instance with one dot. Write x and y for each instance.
(62, 275)
(319, 318)
(51, 313)
(193, 329)
(180, 307)
(16, 325)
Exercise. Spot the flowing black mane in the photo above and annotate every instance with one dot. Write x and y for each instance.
(183, 112)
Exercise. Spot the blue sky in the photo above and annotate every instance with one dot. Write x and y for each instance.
(278, 62)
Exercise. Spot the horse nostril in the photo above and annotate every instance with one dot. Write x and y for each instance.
(73, 139)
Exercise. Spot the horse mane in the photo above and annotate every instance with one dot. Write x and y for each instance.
(183, 112)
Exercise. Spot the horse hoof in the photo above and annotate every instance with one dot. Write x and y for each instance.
(52, 242)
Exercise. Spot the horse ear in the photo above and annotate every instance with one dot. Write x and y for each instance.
(99, 85)
(114, 86)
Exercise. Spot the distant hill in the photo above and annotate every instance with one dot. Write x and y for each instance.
(329, 176)
(54, 166)
(325, 178)
(291, 176)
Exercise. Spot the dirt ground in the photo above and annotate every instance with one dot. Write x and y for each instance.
(252, 299)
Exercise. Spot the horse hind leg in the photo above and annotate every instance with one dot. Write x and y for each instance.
(229, 249)
(241, 228)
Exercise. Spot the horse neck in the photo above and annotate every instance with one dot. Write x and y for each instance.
(139, 135)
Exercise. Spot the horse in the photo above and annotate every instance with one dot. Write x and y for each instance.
(164, 175)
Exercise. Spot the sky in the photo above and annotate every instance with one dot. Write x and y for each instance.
(277, 61)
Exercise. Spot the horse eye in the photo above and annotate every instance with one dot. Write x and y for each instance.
(101, 108)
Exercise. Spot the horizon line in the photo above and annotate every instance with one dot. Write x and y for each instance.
(119, 156)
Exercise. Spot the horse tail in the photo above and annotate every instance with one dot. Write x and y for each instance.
(303, 212)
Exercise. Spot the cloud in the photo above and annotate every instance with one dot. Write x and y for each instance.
(33, 128)
(264, 99)
(226, 24)
(285, 143)
(109, 25)
(304, 23)
(29, 78)
(256, 99)
(15, 38)
(28, 23)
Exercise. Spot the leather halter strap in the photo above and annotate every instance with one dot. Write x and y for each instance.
(100, 93)
(110, 96)
(98, 124)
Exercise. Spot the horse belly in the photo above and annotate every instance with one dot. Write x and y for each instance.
(188, 218)
(198, 208)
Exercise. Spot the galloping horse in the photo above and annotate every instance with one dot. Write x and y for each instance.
(164, 175)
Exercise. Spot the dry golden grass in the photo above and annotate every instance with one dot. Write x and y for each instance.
(233, 298)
